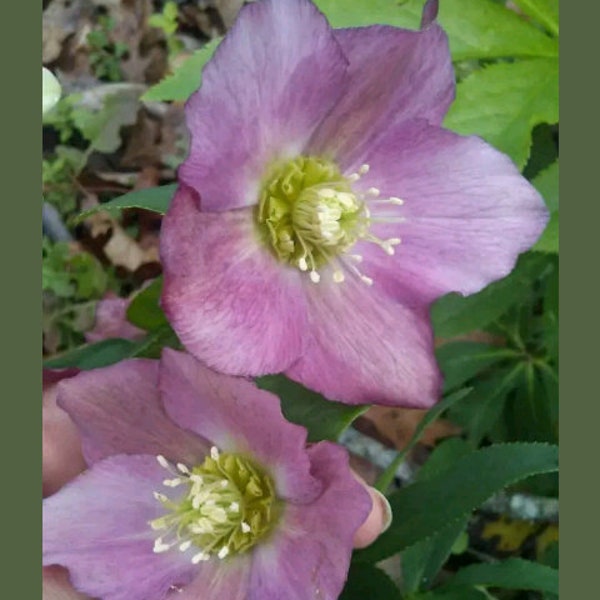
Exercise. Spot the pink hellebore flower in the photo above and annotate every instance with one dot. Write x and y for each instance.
(197, 487)
(322, 208)
(111, 320)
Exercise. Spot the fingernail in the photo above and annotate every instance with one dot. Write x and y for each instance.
(387, 510)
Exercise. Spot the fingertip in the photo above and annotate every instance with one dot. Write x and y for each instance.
(378, 521)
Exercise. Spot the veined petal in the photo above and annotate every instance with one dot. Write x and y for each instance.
(395, 75)
(271, 81)
(469, 212)
(225, 294)
(118, 410)
(367, 348)
(97, 527)
(238, 417)
(310, 554)
(220, 581)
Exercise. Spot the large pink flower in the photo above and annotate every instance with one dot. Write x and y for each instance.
(197, 484)
(322, 208)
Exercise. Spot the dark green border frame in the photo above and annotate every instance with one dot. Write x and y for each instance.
(579, 331)
(20, 252)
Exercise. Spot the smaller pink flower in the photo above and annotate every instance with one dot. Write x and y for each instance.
(111, 320)
(197, 484)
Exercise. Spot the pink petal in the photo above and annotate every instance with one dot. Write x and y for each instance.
(97, 527)
(309, 555)
(111, 320)
(225, 295)
(271, 81)
(367, 348)
(227, 580)
(237, 417)
(469, 212)
(118, 410)
(395, 75)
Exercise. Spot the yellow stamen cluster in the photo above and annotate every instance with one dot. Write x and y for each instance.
(223, 507)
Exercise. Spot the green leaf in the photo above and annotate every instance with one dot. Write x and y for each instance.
(549, 240)
(423, 560)
(454, 314)
(464, 593)
(384, 481)
(544, 12)
(185, 80)
(93, 356)
(532, 413)
(484, 406)
(429, 506)
(546, 183)
(467, 22)
(144, 310)
(324, 420)
(113, 350)
(460, 361)
(514, 574)
(443, 456)
(156, 199)
(152, 345)
(503, 102)
(102, 126)
(366, 581)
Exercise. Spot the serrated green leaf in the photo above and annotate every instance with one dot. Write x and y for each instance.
(454, 314)
(185, 80)
(532, 416)
(384, 481)
(366, 581)
(544, 12)
(514, 574)
(156, 199)
(443, 456)
(503, 102)
(428, 506)
(460, 361)
(479, 413)
(422, 561)
(144, 310)
(324, 420)
(467, 23)
(546, 183)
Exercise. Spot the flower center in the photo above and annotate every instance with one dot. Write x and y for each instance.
(225, 506)
(311, 216)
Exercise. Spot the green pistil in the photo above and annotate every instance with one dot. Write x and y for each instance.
(308, 213)
(228, 505)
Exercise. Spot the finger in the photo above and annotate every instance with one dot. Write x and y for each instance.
(379, 519)
(56, 585)
(61, 446)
